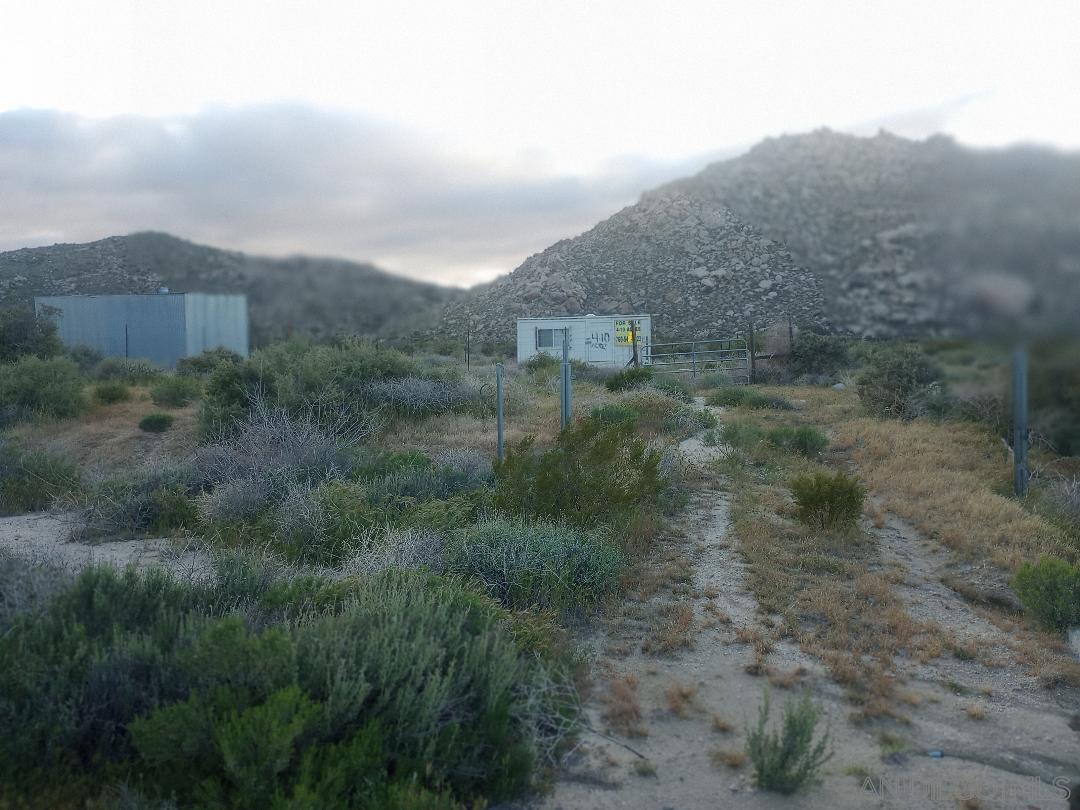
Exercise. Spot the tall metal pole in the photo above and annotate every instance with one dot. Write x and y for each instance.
(499, 410)
(1020, 421)
(564, 410)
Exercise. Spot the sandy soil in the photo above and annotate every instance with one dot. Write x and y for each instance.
(46, 537)
(1009, 759)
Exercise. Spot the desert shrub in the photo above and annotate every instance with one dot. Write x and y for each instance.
(743, 435)
(543, 565)
(175, 391)
(153, 500)
(613, 413)
(418, 396)
(892, 377)
(828, 501)
(250, 689)
(204, 364)
(672, 386)
(322, 524)
(30, 482)
(1050, 592)
(814, 354)
(371, 462)
(596, 473)
(32, 387)
(85, 357)
(804, 440)
(788, 758)
(27, 586)
(400, 548)
(329, 382)
(741, 396)
(713, 379)
(687, 420)
(132, 370)
(23, 333)
(542, 363)
(156, 422)
(628, 378)
(111, 392)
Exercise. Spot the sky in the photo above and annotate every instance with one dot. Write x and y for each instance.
(450, 140)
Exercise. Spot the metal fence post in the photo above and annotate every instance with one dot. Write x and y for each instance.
(499, 410)
(1020, 421)
(753, 355)
(693, 360)
(564, 401)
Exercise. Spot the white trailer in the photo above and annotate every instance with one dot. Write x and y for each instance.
(602, 340)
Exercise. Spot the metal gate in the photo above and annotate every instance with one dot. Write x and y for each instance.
(730, 356)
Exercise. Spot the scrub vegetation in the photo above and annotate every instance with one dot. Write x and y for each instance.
(381, 613)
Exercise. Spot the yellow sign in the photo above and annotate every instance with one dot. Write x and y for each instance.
(624, 333)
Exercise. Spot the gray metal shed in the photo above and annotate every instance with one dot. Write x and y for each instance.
(161, 327)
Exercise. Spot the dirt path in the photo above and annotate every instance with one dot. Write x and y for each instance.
(46, 537)
(666, 727)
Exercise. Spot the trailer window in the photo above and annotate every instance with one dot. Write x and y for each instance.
(549, 338)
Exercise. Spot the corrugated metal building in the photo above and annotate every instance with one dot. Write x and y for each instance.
(162, 327)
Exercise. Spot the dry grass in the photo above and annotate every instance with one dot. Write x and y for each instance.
(786, 680)
(975, 711)
(622, 709)
(728, 757)
(680, 698)
(948, 479)
(674, 630)
(107, 438)
(721, 725)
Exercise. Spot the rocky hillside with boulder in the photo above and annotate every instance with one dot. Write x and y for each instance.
(878, 237)
(698, 268)
(295, 295)
(914, 237)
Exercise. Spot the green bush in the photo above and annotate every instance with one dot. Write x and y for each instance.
(32, 387)
(251, 689)
(672, 386)
(595, 474)
(334, 381)
(155, 501)
(628, 378)
(613, 413)
(828, 501)
(111, 392)
(1050, 592)
(132, 370)
(542, 363)
(742, 435)
(23, 333)
(204, 364)
(156, 422)
(85, 357)
(741, 396)
(29, 482)
(804, 440)
(788, 758)
(542, 565)
(175, 391)
(822, 355)
(892, 377)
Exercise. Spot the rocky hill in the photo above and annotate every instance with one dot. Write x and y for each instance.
(701, 270)
(881, 236)
(303, 295)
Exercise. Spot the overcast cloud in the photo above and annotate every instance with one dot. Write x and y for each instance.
(283, 178)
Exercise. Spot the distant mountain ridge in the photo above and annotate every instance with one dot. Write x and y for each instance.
(304, 295)
(877, 237)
